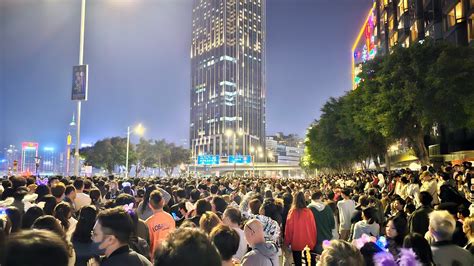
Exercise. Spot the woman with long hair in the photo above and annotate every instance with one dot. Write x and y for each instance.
(395, 230)
(143, 210)
(137, 243)
(300, 230)
(81, 237)
(50, 223)
(49, 204)
(63, 212)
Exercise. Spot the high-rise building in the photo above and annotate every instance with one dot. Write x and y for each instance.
(227, 114)
(29, 153)
(11, 155)
(403, 22)
(49, 160)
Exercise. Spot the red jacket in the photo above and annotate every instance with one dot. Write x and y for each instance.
(300, 229)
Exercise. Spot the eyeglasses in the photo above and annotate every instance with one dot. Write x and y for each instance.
(250, 228)
(94, 234)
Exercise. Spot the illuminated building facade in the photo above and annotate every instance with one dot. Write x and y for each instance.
(29, 151)
(391, 23)
(227, 114)
(365, 47)
(404, 22)
(49, 160)
(11, 155)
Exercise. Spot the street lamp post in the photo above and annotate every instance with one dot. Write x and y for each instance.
(230, 133)
(81, 61)
(260, 156)
(252, 150)
(139, 131)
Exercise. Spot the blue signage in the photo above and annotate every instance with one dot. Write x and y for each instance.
(208, 159)
(240, 159)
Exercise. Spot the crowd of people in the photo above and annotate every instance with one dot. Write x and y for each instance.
(401, 217)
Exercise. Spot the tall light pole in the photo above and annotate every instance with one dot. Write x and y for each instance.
(139, 131)
(81, 61)
(260, 155)
(252, 150)
(228, 133)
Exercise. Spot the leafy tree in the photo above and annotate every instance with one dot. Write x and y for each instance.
(145, 153)
(412, 89)
(401, 96)
(107, 153)
(176, 155)
(161, 154)
(336, 141)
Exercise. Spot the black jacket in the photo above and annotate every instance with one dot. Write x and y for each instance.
(419, 220)
(126, 257)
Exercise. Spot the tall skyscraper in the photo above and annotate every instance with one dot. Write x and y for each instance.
(49, 160)
(228, 83)
(29, 151)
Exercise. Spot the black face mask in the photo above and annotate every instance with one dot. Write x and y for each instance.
(96, 246)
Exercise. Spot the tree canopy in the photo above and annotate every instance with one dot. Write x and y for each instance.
(111, 152)
(401, 96)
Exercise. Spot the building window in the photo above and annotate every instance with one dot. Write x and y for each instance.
(455, 15)
(402, 7)
(407, 42)
(414, 32)
(393, 40)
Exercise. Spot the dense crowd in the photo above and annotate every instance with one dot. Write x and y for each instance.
(401, 217)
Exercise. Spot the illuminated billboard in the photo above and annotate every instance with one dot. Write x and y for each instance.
(364, 47)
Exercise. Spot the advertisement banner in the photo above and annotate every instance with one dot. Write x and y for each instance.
(79, 83)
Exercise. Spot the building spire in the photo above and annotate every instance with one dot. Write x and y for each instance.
(73, 122)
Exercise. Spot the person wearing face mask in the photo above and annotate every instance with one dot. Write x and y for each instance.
(111, 234)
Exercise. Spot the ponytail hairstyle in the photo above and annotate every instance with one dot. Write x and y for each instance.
(63, 212)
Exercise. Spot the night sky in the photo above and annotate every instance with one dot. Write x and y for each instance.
(139, 66)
